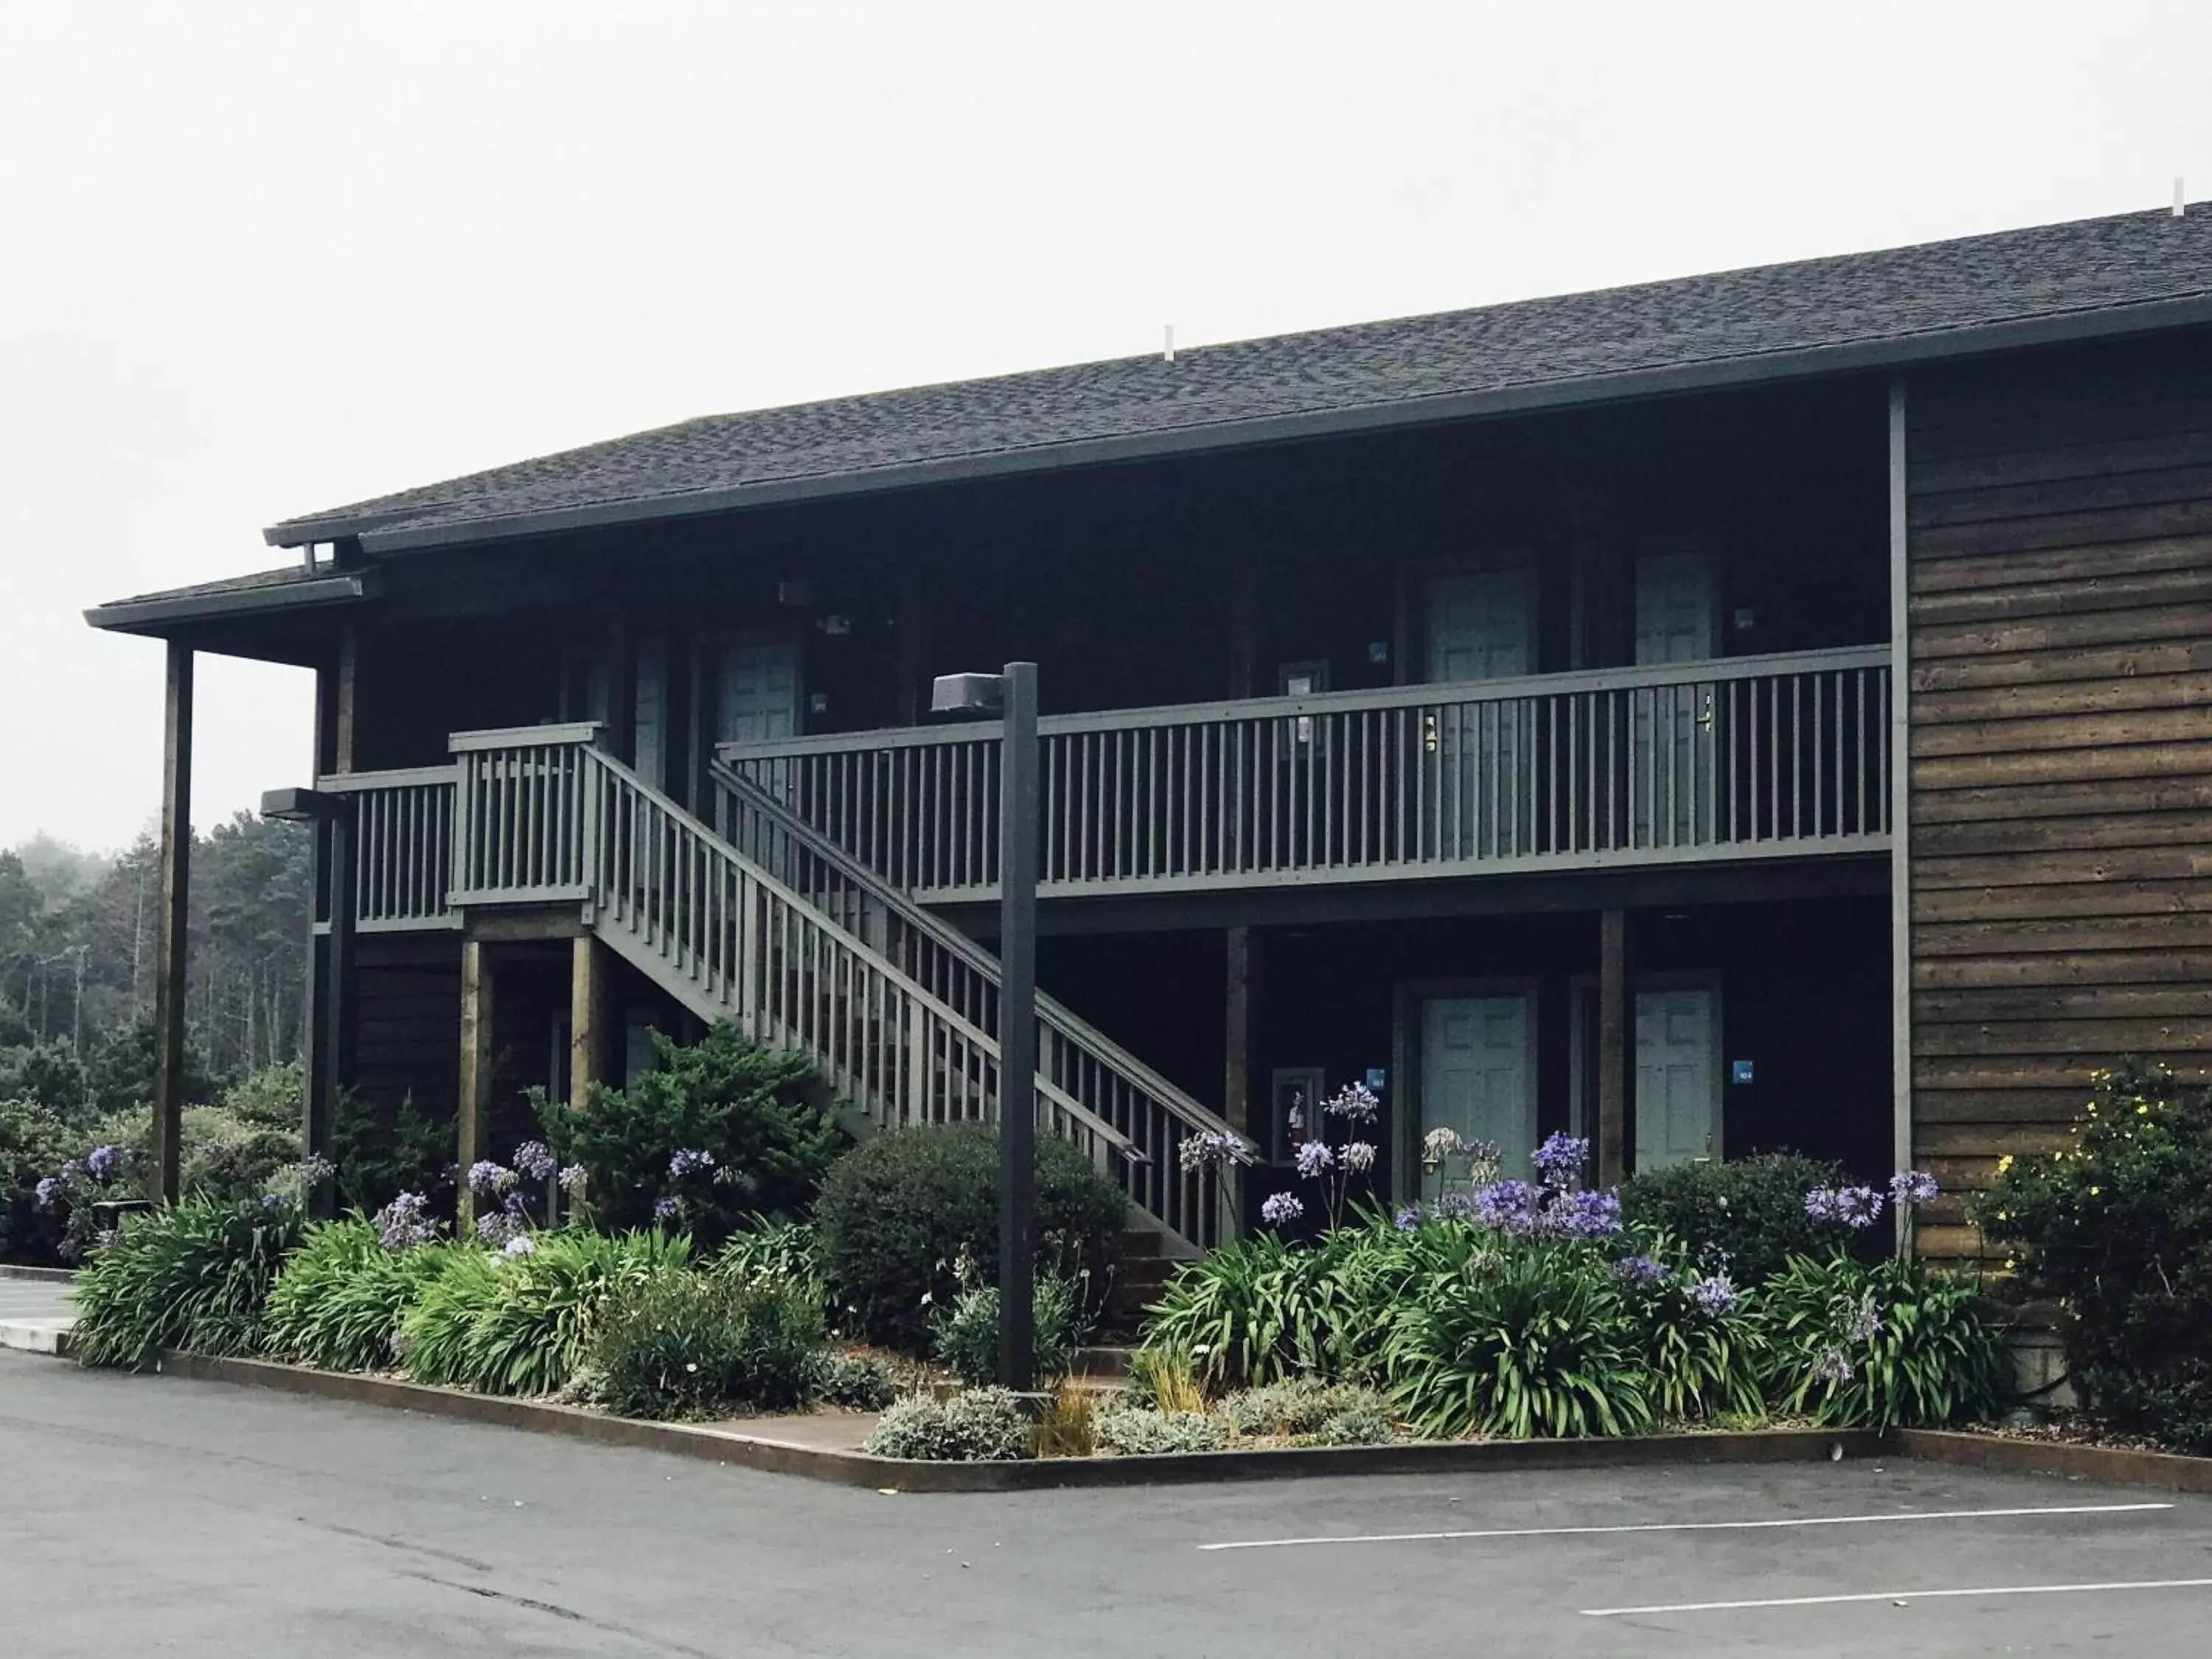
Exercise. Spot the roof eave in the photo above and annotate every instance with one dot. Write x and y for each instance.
(1894, 352)
(160, 614)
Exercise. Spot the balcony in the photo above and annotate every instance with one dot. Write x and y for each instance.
(1749, 759)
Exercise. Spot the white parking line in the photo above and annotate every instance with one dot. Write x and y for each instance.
(1904, 1596)
(1685, 1526)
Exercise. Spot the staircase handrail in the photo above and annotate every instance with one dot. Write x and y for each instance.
(1054, 1014)
(985, 1042)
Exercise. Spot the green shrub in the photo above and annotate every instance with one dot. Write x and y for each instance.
(1358, 1425)
(967, 1339)
(768, 1249)
(34, 1143)
(767, 1144)
(859, 1381)
(1140, 1431)
(519, 1324)
(1750, 1212)
(194, 1274)
(900, 1213)
(1534, 1344)
(976, 1426)
(1254, 1311)
(380, 1156)
(337, 1303)
(1300, 1406)
(1898, 1344)
(680, 1343)
(1702, 1350)
(1259, 1309)
(2118, 1230)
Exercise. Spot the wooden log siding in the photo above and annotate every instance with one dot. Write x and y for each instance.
(2060, 612)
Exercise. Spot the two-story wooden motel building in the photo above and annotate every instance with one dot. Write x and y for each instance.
(1764, 710)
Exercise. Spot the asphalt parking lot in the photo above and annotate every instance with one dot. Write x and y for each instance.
(154, 1513)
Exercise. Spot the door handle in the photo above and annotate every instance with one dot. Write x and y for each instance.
(1429, 733)
(1705, 714)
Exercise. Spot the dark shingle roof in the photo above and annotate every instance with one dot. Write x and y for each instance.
(1862, 309)
(292, 589)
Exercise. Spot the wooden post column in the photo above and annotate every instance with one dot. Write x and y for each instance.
(587, 1018)
(476, 1068)
(1614, 1024)
(169, 920)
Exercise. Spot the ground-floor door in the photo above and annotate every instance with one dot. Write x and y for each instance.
(1678, 1076)
(1478, 1073)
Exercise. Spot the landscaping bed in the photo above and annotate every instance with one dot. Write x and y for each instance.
(612, 1273)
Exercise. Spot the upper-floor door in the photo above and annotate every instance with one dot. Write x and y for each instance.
(1672, 782)
(1478, 624)
(755, 693)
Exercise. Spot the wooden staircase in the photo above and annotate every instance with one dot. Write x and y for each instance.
(897, 1012)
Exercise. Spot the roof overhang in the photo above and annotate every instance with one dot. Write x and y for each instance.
(162, 614)
(1885, 353)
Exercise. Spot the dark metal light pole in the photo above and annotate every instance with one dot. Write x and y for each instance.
(320, 1105)
(1013, 694)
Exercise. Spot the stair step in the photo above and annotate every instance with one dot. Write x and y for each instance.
(1100, 1365)
(1141, 1243)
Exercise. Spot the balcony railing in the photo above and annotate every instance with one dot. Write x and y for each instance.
(1750, 757)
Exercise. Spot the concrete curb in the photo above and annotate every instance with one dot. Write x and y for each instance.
(2111, 1465)
(851, 1468)
(46, 1336)
(45, 1275)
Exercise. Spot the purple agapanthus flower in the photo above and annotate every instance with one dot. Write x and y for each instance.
(533, 1160)
(1358, 1157)
(1278, 1208)
(1355, 1102)
(1408, 1219)
(1911, 1186)
(665, 1209)
(498, 1226)
(1590, 1215)
(1560, 1159)
(1511, 1207)
(487, 1177)
(1637, 1270)
(514, 1205)
(1714, 1294)
(1211, 1149)
(571, 1180)
(49, 1188)
(404, 1221)
(520, 1245)
(273, 1200)
(689, 1160)
(101, 1164)
(1847, 1206)
(1832, 1367)
(1866, 1321)
(1314, 1158)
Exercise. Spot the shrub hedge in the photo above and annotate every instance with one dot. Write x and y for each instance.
(1750, 1210)
(901, 1214)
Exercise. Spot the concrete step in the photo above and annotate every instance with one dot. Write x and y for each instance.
(1102, 1364)
(46, 1336)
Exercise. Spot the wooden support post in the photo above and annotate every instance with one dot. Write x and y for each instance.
(1612, 1036)
(906, 640)
(1900, 797)
(587, 1018)
(622, 687)
(476, 1068)
(1237, 1104)
(169, 921)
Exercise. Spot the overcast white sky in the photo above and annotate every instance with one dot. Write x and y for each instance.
(256, 260)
